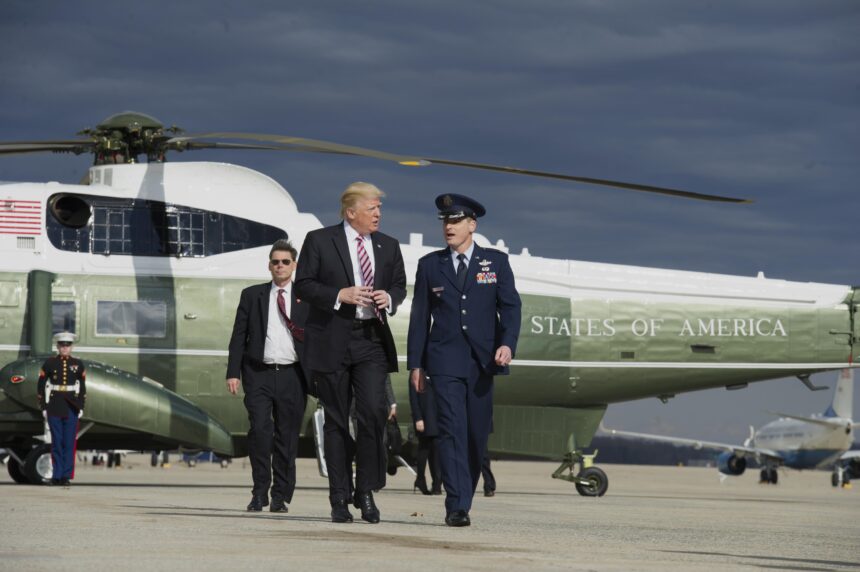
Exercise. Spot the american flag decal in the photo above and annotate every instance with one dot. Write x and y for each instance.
(20, 217)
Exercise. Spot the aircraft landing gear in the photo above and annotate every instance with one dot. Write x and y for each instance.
(769, 476)
(38, 467)
(15, 466)
(590, 481)
(840, 478)
(31, 467)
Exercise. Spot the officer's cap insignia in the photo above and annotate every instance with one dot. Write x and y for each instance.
(447, 200)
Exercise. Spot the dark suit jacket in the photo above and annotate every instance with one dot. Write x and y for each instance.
(483, 316)
(324, 268)
(249, 329)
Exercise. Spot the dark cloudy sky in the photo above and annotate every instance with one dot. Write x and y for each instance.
(758, 99)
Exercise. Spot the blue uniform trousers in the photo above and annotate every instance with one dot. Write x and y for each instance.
(63, 433)
(465, 409)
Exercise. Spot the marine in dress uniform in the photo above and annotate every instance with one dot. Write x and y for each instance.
(62, 391)
(463, 330)
(266, 351)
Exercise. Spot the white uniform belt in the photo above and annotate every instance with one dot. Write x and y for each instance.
(64, 388)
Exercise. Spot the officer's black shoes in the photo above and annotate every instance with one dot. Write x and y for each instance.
(489, 493)
(56, 482)
(66, 483)
(257, 503)
(278, 505)
(458, 518)
(369, 512)
(339, 512)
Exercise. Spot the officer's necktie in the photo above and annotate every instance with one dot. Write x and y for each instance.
(461, 271)
(298, 333)
(366, 270)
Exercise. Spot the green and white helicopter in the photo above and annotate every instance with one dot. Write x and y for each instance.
(144, 261)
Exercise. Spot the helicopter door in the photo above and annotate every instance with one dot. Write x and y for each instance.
(591, 340)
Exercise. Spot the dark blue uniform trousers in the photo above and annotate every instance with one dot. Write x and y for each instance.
(63, 433)
(465, 409)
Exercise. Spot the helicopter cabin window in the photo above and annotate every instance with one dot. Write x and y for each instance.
(144, 318)
(62, 316)
(112, 226)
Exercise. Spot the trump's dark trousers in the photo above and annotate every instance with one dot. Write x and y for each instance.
(361, 377)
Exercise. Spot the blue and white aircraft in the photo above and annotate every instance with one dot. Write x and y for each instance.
(793, 441)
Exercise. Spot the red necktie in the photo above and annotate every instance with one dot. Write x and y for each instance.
(297, 332)
(366, 271)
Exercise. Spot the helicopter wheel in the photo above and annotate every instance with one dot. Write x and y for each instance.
(834, 478)
(598, 482)
(16, 469)
(38, 467)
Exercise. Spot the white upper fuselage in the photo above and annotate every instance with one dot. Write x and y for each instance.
(242, 192)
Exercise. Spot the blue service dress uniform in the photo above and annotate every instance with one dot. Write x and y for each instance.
(453, 337)
(67, 377)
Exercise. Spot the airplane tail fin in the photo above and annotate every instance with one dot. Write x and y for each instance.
(843, 397)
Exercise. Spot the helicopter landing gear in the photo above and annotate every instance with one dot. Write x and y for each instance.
(38, 467)
(15, 466)
(31, 467)
(590, 481)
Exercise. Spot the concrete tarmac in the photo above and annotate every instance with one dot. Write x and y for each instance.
(653, 518)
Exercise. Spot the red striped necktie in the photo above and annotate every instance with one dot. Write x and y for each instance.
(298, 333)
(366, 270)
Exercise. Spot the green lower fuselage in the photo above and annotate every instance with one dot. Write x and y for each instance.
(575, 354)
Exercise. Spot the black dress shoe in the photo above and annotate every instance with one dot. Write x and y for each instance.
(278, 505)
(489, 493)
(369, 512)
(257, 503)
(421, 485)
(458, 518)
(339, 512)
(66, 482)
(56, 482)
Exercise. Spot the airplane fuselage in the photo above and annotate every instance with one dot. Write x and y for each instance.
(806, 445)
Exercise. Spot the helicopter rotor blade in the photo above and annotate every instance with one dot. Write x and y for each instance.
(593, 181)
(288, 143)
(74, 146)
(195, 145)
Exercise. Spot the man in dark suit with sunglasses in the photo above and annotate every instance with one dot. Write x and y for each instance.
(266, 351)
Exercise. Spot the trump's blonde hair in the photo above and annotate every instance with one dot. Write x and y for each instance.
(356, 192)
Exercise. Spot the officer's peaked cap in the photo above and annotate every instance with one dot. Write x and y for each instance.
(458, 206)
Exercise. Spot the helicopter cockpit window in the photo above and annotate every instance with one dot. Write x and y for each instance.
(144, 318)
(152, 228)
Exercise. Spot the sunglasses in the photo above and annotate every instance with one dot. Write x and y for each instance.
(277, 261)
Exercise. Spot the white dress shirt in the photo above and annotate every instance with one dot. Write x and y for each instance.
(468, 253)
(279, 347)
(361, 312)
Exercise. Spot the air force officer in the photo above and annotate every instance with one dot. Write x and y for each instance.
(468, 295)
